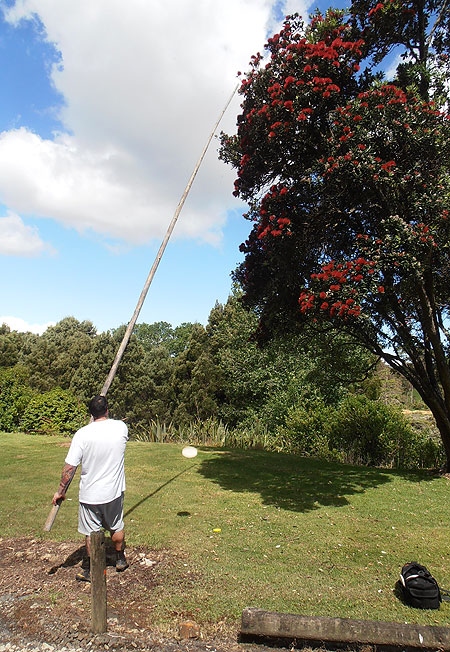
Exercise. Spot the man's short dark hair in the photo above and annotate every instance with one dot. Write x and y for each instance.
(98, 406)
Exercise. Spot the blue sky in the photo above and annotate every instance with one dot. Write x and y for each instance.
(103, 116)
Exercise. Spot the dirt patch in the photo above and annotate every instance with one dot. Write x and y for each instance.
(41, 601)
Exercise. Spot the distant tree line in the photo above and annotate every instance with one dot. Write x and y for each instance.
(182, 375)
(188, 372)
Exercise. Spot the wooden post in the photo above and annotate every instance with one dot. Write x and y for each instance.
(329, 632)
(98, 583)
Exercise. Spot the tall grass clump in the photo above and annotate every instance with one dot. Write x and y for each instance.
(209, 432)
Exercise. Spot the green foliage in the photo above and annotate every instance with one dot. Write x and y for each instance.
(9, 351)
(14, 346)
(264, 382)
(420, 30)
(56, 412)
(307, 431)
(161, 333)
(221, 388)
(196, 380)
(152, 335)
(386, 385)
(182, 336)
(53, 357)
(358, 431)
(370, 433)
(15, 395)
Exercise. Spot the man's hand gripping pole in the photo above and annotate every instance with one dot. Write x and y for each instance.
(66, 478)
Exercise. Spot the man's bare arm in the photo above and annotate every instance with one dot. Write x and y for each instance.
(66, 478)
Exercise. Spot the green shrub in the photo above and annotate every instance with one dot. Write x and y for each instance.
(54, 412)
(420, 451)
(372, 433)
(359, 428)
(15, 394)
(306, 431)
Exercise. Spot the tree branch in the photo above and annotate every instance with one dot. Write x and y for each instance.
(436, 24)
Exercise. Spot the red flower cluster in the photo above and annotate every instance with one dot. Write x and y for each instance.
(308, 57)
(422, 232)
(388, 166)
(269, 223)
(374, 10)
(304, 113)
(338, 308)
(337, 275)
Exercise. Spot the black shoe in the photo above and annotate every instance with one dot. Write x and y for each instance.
(121, 562)
(84, 575)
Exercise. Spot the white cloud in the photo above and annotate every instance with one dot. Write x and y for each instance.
(17, 239)
(142, 87)
(391, 71)
(20, 325)
(299, 7)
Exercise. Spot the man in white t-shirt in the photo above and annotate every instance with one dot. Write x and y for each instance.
(100, 448)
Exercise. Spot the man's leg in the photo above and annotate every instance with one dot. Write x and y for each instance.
(114, 518)
(84, 575)
(118, 539)
(89, 520)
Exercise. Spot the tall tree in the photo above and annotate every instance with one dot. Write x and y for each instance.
(15, 346)
(9, 346)
(54, 357)
(196, 380)
(265, 382)
(156, 334)
(161, 333)
(348, 186)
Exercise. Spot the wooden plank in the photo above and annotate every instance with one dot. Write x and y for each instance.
(344, 631)
(98, 583)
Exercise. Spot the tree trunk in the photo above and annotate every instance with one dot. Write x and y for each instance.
(438, 410)
(430, 393)
(443, 425)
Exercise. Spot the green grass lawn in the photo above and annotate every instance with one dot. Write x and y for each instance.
(296, 535)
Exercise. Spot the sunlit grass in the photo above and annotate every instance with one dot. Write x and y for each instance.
(252, 528)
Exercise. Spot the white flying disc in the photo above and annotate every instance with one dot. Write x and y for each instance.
(189, 451)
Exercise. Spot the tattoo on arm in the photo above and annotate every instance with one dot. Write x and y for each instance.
(66, 477)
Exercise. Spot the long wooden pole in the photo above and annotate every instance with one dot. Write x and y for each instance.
(130, 327)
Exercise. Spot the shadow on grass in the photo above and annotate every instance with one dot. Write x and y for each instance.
(139, 503)
(293, 482)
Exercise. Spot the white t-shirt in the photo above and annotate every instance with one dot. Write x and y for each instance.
(100, 447)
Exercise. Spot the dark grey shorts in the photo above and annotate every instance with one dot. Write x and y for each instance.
(91, 518)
